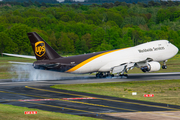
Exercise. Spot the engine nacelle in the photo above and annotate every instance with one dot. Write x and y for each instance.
(151, 67)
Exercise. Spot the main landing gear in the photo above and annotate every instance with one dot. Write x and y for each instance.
(123, 75)
(164, 66)
(103, 75)
(99, 75)
(109, 75)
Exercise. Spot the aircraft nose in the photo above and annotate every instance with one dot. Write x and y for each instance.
(176, 49)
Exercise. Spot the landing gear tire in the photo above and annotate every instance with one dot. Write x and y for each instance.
(99, 75)
(164, 67)
(104, 75)
(123, 75)
(126, 75)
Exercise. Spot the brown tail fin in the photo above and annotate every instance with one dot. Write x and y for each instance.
(41, 49)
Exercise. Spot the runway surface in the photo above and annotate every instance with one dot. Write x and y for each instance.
(38, 94)
(91, 79)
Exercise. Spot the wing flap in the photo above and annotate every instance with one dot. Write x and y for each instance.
(123, 67)
(118, 69)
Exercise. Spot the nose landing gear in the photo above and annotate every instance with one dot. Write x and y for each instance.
(164, 66)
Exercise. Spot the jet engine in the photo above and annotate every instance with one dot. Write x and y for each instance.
(151, 67)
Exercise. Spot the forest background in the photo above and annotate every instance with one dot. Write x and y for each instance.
(80, 29)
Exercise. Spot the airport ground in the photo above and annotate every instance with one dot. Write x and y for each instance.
(102, 98)
(41, 96)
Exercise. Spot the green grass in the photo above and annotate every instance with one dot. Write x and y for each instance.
(165, 91)
(10, 112)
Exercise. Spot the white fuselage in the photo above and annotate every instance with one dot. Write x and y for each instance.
(159, 50)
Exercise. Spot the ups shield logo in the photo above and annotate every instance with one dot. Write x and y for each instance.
(40, 48)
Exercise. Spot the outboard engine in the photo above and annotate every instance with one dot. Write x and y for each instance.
(151, 67)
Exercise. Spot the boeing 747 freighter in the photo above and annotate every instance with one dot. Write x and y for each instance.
(145, 56)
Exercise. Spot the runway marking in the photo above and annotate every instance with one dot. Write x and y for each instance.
(140, 104)
(55, 91)
(68, 101)
(36, 100)
(79, 98)
(23, 94)
(61, 107)
(103, 98)
(82, 102)
(99, 105)
(45, 104)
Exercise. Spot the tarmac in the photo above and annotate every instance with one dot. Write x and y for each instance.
(38, 94)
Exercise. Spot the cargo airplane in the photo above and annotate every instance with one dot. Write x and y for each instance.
(145, 56)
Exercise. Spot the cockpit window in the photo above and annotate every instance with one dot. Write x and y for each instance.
(169, 42)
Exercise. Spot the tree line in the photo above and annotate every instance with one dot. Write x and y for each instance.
(83, 29)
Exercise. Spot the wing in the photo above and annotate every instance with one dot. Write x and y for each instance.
(23, 56)
(130, 65)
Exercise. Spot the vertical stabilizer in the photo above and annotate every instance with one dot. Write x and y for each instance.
(41, 49)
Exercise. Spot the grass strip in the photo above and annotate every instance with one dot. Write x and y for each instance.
(10, 112)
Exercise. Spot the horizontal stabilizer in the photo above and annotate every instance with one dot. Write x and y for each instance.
(22, 63)
(23, 56)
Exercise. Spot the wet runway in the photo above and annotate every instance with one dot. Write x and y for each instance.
(38, 94)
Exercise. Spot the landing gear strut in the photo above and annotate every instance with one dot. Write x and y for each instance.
(122, 75)
(164, 66)
(109, 75)
(106, 74)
